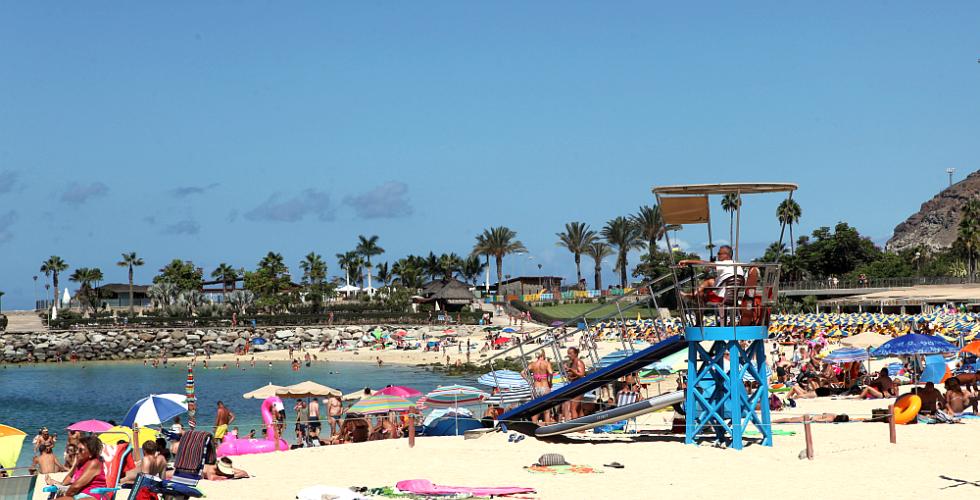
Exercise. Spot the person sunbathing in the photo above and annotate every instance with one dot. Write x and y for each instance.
(959, 399)
(932, 399)
(222, 470)
(881, 387)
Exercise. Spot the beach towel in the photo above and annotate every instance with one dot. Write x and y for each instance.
(425, 487)
(193, 446)
(562, 469)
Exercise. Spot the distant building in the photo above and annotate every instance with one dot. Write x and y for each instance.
(529, 285)
(116, 295)
(452, 295)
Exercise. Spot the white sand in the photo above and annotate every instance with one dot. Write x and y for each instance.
(853, 460)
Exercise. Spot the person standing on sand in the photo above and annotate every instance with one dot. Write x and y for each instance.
(540, 371)
(314, 411)
(334, 410)
(224, 418)
(574, 370)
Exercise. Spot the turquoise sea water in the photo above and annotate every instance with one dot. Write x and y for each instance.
(57, 395)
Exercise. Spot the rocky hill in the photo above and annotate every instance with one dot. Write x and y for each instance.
(935, 224)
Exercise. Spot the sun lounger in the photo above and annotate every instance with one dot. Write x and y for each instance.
(17, 487)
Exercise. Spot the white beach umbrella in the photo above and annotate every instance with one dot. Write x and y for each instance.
(66, 299)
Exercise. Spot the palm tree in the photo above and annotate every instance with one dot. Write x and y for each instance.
(499, 241)
(472, 269)
(480, 248)
(52, 267)
(384, 273)
(789, 213)
(368, 247)
(86, 277)
(730, 203)
(625, 236)
(598, 250)
(130, 260)
(314, 269)
(351, 263)
(409, 270)
(650, 221)
(314, 275)
(449, 265)
(576, 238)
(227, 275)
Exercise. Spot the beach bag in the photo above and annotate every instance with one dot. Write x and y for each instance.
(775, 404)
(549, 459)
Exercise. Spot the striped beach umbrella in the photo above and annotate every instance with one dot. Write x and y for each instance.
(502, 379)
(846, 355)
(508, 396)
(455, 395)
(154, 409)
(381, 403)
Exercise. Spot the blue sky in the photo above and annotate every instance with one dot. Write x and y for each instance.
(219, 131)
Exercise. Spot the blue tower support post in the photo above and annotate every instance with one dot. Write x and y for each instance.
(716, 399)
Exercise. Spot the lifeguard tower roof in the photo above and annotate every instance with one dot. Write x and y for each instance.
(725, 188)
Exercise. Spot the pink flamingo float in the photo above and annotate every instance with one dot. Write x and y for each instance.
(232, 446)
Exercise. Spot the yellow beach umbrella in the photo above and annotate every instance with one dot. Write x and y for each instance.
(11, 441)
(122, 433)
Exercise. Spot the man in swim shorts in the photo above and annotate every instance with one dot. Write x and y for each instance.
(221, 422)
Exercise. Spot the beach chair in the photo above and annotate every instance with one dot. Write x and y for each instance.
(17, 487)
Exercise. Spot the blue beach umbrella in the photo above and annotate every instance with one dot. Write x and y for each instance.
(258, 341)
(913, 343)
(846, 355)
(154, 409)
(508, 330)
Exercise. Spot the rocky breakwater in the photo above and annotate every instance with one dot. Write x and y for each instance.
(118, 344)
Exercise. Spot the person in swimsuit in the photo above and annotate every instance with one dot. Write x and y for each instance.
(541, 372)
(221, 422)
(88, 475)
(958, 398)
(334, 410)
(574, 370)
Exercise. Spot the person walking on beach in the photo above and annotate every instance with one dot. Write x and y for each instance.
(224, 418)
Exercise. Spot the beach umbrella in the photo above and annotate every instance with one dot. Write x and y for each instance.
(502, 379)
(258, 341)
(501, 340)
(913, 343)
(972, 348)
(400, 391)
(154, 409)
(381, 403)
(266, 391)
(66, 299)
(510, 395)
(455, 395)
(846, 355)
(190, 398)
(509, 330)
(308, 389)
(123, 433)
(866, 340)
(90, 426)
(11, 442)
(449, 331)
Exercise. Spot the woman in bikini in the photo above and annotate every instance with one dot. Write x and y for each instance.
(541, 371)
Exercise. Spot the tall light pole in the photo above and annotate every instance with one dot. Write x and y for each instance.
(950, 172)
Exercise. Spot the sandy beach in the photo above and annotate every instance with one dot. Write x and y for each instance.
(853, 460)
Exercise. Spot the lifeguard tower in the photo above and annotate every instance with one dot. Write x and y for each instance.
(725, 306)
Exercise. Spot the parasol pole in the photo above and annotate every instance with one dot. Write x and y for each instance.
(191, 399)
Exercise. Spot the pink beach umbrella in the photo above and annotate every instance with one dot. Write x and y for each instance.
(400, 391)
(90, 426)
